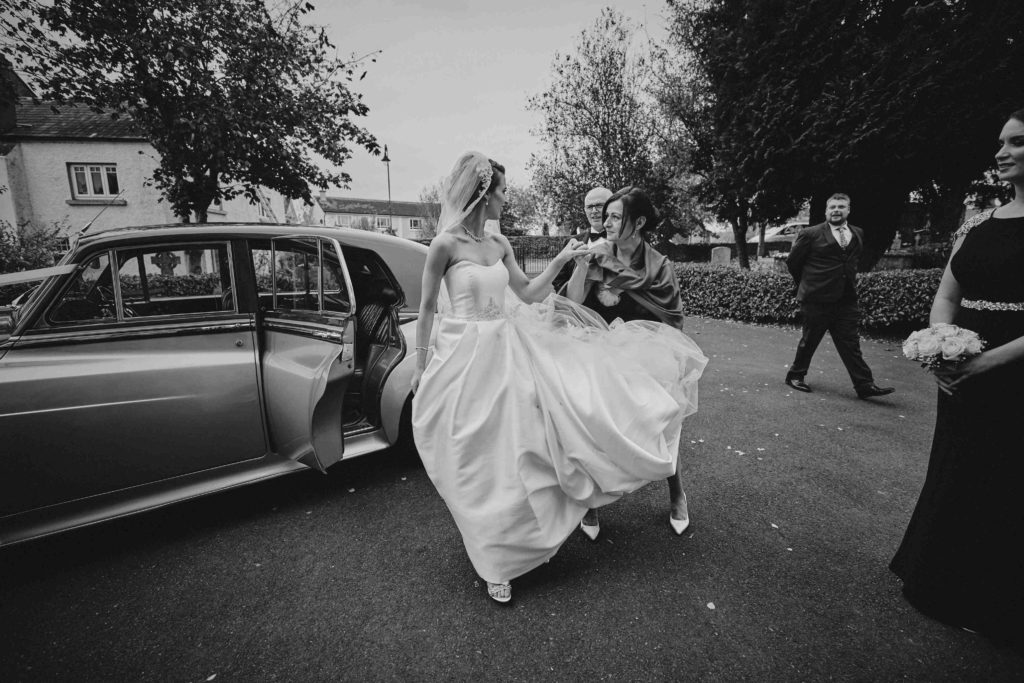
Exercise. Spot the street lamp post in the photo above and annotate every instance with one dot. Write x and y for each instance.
(387, 164)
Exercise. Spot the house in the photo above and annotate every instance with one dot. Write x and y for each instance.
(411, 220)
(77, 169)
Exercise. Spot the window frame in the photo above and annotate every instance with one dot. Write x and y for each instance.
(104, 168)
(322, 313)
(112, 253)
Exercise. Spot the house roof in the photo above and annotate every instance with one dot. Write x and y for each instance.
(376, 207)
(41, 122)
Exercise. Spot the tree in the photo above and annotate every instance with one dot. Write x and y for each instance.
(791, 100)
(232, 94)
(431, 198)
(522, 211)
(601, 125)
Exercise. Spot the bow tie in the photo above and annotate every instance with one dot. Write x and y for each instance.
(594, 236)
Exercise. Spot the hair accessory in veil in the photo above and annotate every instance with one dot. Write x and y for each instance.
(464, 187)
(485, 173)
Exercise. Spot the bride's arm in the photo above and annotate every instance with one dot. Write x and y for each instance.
(577, 287)
(539, 287)
(433, 270)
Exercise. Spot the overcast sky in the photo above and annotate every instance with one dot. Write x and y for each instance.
(454, 76)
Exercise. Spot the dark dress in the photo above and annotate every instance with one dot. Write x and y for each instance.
(627, 308)
(960, 557)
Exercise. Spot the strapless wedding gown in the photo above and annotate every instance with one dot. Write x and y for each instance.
(527, 415)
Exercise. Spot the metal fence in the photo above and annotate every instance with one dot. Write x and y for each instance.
(534, 253)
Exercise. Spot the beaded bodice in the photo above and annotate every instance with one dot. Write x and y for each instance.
(477, 292)
(987, 266)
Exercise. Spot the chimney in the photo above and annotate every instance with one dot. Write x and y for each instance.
(11, 89)
(8, 96)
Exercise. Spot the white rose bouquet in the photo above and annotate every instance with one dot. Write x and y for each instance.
(942, 344)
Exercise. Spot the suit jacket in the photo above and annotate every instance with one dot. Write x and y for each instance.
(825, 272)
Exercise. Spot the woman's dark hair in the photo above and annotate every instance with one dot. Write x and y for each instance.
(496, 168)
(1019, 115)
(635, 203)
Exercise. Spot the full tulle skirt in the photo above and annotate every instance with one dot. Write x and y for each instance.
(525, 421)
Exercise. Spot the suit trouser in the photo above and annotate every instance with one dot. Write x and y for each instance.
(840, 320)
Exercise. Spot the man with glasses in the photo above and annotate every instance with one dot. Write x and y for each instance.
(593, 233)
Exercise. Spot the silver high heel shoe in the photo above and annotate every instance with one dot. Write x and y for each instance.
(679, 525)
(500, 592)
(591, 530)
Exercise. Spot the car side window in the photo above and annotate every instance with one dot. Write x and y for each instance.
(301, 274)
(183, 280)
(89, 297)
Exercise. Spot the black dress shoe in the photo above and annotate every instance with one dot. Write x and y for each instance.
(798, 384)
(870, 391)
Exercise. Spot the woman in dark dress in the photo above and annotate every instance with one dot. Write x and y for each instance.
(625, 278)
(960, 557)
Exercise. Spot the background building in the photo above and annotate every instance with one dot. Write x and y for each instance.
(412, 220)
(75, 168)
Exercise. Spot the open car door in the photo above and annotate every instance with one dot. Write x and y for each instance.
(306, 326)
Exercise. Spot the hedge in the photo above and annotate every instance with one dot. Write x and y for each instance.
(889, 299)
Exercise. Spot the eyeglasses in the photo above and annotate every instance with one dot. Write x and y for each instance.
(594, 207)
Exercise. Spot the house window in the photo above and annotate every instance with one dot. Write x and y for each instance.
(344, 221)
(415, 224)
(93, 180)
(383, 222)
(264, 211)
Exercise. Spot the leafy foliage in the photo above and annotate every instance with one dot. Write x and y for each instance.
(431, 199)
(796, 99)
(601, 125)
(889, 299)
(232, 94)
(30, 249)
(523, 210)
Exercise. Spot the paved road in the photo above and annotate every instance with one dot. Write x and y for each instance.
(798, 503)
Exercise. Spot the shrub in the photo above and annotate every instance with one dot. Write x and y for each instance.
(33, 248)
(897, 298)
(174, 285)
(889, 299)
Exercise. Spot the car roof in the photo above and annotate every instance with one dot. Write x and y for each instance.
(404, 257)
(360, 238)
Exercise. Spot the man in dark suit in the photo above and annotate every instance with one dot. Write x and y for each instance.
(823, 261)
(593, 206)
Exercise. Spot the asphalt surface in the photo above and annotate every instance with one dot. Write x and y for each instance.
(798, 502)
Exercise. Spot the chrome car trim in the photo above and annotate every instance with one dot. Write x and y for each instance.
(94, 509)
(47, 337)
(34, 275)
(305, 329)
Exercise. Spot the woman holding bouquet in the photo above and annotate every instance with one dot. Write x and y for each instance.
(960, 557)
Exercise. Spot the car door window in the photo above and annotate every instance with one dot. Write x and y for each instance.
(185, 280)
(89, 297)
(302, 275)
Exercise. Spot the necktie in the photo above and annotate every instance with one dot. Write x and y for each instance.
(594, 236)
(843, 241)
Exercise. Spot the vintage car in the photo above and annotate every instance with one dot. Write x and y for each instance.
(780, 233)
(156, 364)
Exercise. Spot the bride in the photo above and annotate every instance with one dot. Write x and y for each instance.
(529, 409)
